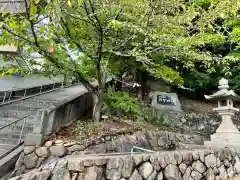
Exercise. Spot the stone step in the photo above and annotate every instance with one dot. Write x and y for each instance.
(16, 130)
(16, 125)
(15, 110)
(2, 151)
(8, 135)
(9, 141)
(18, 107)
(38, 104)
(6, 146)
(11, 136)
(14, 114)
(6, 120)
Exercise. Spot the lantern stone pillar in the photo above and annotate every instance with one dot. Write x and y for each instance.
(227, 134)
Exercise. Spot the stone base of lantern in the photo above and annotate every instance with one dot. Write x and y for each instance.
(222, 140)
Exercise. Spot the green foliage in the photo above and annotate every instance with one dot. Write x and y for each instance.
(122, 36)
(122, 104)
(236, 83)
(125, 28)
(235, 79)
(168, 74)
(197, 80)
(87, 67)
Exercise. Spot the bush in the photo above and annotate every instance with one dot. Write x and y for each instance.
(235, 83)
(122, 104)
(197, 80)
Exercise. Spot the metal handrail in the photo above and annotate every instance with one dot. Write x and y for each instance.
(11, 150)
(142, 149)
(26, 97)
(14, 122)
(33, 86)
(20, 139)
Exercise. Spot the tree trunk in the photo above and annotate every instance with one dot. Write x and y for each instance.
(118, 85)
(140, 80)
(65, 80)
(140, 93)
(97, 105)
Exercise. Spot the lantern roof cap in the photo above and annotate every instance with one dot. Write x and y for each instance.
(223, 92)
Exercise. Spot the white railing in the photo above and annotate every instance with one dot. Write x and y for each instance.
(10, 131)
(8, 95)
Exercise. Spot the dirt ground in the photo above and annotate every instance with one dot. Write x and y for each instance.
(197, 106)
(86, 129)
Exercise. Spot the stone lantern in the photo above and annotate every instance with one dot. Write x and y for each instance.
(227, 135)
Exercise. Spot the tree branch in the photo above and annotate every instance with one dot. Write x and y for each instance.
(100, 46)
(46, 54)
(16, 35)
(116, 17)
(41, 19)
(142, 54)
(31, 25)
(78, 17)
(67, 30)
(89, 15)
(124, 43)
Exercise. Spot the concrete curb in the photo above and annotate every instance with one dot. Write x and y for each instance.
(9, 161)
(65, 101)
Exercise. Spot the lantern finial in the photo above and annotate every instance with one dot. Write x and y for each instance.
(223, 84)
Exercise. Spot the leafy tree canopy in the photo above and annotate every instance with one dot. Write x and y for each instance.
(167, 39)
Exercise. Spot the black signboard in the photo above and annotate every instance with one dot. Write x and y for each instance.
(165, 100)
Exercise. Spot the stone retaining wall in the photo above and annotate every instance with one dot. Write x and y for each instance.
(175, 165)
(191, 120)
(194, 121)
(187, 120)
(34, 156)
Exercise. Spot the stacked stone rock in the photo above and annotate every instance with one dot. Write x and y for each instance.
(189, 120)
(199, 121)
(194, 121)
(172, 165)
(34, 157)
